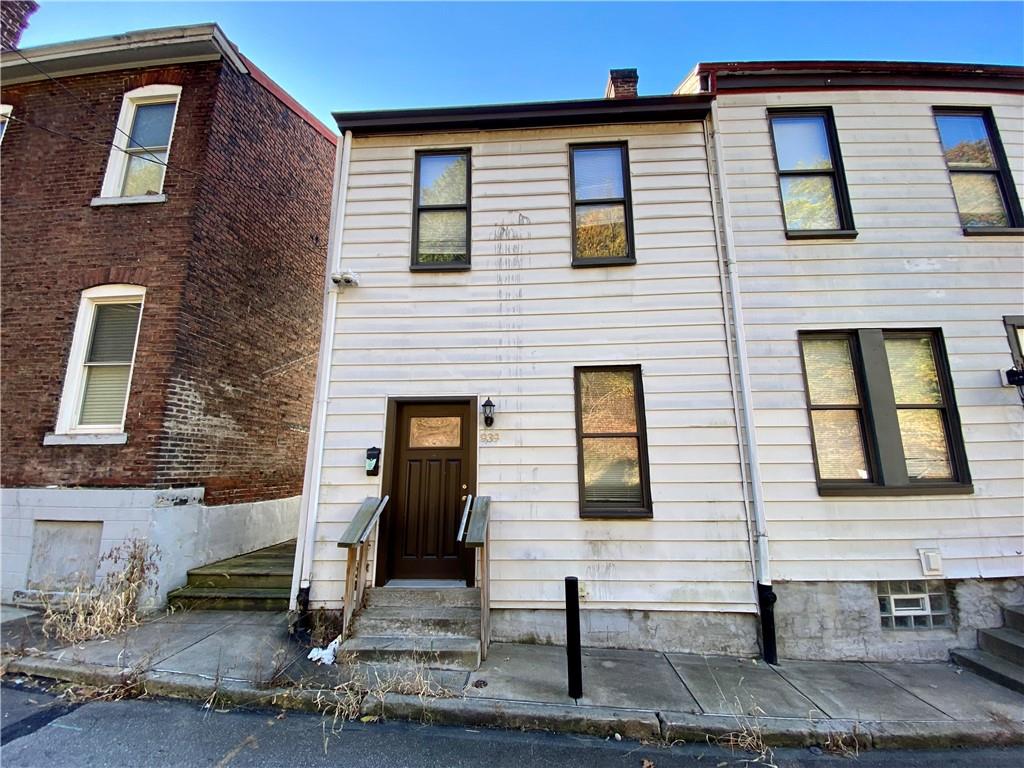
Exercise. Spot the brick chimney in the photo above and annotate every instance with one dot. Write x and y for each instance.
(621, 84)
(13, 20)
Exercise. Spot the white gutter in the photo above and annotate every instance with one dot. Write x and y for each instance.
(762, 563)
(318, 418)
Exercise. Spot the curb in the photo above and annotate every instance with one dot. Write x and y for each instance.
(640, 725)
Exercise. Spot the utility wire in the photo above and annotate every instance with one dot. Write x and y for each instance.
(111, 145)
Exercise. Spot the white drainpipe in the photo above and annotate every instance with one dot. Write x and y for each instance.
(762, 564)
(318, 419)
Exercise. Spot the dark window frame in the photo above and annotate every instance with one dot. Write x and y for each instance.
(610, 511)
(1004, 179)
(883, 443)
(847, 229)
(626, 201)
(414, 265)
(1012, 323)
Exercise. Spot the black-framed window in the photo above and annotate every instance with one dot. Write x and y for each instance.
(978, 170)
(602, 211)
(882, 413)
(441, 210)
(812, 182)
(1015, 335)
(611, 440)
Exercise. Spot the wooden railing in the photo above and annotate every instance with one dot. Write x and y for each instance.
(477, 537)
(355, 539)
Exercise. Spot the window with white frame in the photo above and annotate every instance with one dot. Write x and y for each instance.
(5, 113)
(142, 142)
(102, 357)
(913, 605)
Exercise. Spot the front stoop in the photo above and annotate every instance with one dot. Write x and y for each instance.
(255, 581)
(435, 628)
(1000, 655)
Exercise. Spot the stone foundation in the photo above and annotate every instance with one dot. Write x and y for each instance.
(840, 620)
(730, 634)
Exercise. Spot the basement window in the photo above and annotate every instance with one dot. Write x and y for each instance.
(913, 605)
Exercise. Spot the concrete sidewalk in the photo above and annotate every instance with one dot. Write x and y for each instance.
(248, 659)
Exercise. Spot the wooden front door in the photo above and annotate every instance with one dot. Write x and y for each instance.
(433, 470)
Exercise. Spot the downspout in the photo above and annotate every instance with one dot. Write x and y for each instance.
(301, 573)
(765, 594)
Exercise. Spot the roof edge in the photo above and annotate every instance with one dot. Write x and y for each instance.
(537, 114)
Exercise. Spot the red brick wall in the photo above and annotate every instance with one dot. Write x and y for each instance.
(14, 19)
(53, 244)
(240, 400)
(226, 361)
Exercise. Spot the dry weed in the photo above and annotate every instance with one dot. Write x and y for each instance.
(845, 744)
(90, 611)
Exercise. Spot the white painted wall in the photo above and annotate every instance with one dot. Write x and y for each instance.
(512, 329)
(910, 266)
(188, 532)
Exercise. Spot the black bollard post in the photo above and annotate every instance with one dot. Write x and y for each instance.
(573, 654)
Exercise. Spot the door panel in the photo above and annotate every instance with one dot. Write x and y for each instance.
(433, 472)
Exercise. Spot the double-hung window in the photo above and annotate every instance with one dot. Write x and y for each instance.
(441, 210)
(602, 218)
(978, 170)
(882, 413)
(102, 357)
(812, 183)
(141, 145)
(614, 474)
(5, 114)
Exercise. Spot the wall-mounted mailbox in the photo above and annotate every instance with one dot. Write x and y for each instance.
(373, 461)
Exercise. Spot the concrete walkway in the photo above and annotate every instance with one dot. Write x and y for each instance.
(247, 658)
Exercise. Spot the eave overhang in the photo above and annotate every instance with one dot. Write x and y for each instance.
(152, 47)
(544, 114)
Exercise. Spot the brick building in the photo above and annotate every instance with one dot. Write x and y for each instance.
(165, 208)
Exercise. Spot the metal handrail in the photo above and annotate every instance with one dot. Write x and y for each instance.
(373, 520)
(465, 519)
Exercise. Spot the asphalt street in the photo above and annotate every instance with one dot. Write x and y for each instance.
(40, 732)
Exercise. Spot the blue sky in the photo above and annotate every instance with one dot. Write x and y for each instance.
(345, 56)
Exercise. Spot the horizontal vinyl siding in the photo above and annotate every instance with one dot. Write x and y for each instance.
(910, 266)
(512, 329)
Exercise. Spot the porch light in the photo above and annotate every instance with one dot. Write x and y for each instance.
(488, 409)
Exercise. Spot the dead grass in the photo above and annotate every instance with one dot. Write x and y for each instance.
(846, 743)
(89, 611)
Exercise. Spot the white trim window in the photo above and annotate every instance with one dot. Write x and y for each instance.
(102, 358)
(142, 144)
(5, 113)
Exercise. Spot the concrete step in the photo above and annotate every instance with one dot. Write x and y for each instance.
(1003, 642)
(996, 669)
(441, 652)
(219, 599)
(238, 578)
(424, 621)
(412, 597)
(1013, 617)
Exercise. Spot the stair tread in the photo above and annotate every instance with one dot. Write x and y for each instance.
(1006, 634)
(995, 664)
(425, 612)
(190, 591)
(402, 643)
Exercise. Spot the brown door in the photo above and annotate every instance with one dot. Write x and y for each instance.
(433, 471)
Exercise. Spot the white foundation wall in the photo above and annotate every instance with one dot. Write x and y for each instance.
(188, 533)
(910, 266)
(511, 329)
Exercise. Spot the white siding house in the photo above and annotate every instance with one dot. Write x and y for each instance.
(428, 318)
(911, 265)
